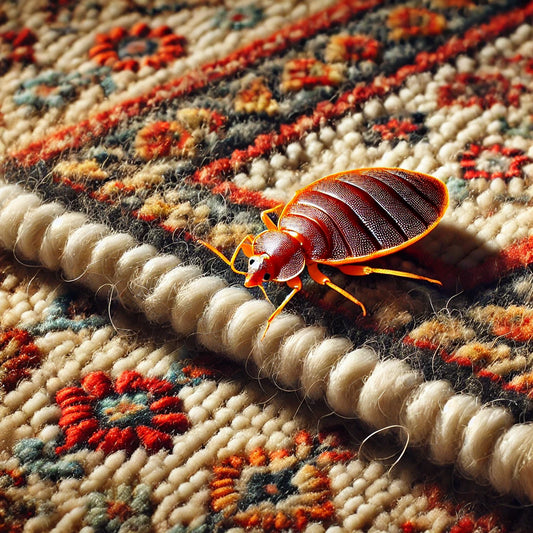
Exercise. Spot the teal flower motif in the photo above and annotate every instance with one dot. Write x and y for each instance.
(524, 129)
(51, 89)
(238, 18)
(55, 89)
(125, 410)
(120, 510)
(458, 188)
(39, 457)
(68, 312)
(187, 372)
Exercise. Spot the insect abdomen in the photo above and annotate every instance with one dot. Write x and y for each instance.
(364, 213)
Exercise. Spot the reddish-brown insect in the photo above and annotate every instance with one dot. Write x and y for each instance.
(342, 220)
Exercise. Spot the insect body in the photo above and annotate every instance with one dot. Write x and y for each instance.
(342, 220)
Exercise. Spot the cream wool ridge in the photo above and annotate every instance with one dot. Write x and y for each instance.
(130, 131)
(228, 320)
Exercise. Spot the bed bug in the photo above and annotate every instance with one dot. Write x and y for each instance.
(341, 220)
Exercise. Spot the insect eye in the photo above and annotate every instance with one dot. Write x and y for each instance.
(266, 277)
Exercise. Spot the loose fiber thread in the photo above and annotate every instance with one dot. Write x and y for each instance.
(455, 428)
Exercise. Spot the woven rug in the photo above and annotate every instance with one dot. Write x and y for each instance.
(139, 390)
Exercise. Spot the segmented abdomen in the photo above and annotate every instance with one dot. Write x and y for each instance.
(362, 213)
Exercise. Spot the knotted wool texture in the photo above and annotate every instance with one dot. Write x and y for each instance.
(137, 392)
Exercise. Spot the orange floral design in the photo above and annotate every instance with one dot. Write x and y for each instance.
(523, 383)
(352, 48)
(306, 73)
(141, 46)
(16, 47)
(200, 121)
(407, 22)
(514, 322)
(164, 139)
(256, 97)
(285, 489)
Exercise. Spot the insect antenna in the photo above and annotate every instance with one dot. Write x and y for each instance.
(265, 294)
(229, 262)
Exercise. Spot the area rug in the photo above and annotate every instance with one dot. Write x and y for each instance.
(140, 389)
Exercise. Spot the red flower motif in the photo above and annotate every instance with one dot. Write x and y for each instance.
(121, 415)
(461, 519)
(256, 97)
(141, 46)
(164, 139)
(352, 48)
(491, 162)
(482, 90)
(514, 322)
(12, 477)
(20, 44)
(307, 72)
(197, 120)
(18, 356)
(395, 129)
(408, 22)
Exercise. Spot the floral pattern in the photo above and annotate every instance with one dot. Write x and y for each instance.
(468, 89)
(122, 414)
(408, 22)
(306, 73)
(55, 89)
(238, 18)
(205, 152)
(494, 161)
(122, 49)
(70, 311)
(38, 457)
(395, 129)
(286, 489)
(256, 97)
(16, 47)
(120, 510)
(352, 48)
(164, 139)
(18, 357)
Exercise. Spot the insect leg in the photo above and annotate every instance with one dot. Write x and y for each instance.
(321, 278)
(295, 284)
(267, 221)
(359, 270)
